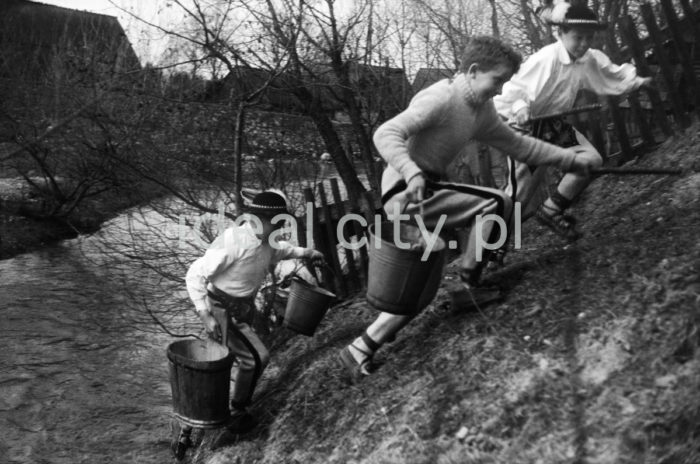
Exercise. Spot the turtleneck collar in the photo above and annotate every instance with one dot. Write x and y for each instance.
(465, 89)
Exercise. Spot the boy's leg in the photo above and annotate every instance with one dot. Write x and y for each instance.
(459, 208)
(252, 357)
(525, 187)
(552, 212)
(357, 356)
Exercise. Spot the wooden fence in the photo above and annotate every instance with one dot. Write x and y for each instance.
(669, 54)
(620, 128)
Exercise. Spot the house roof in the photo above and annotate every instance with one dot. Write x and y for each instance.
(33, 33)
(428, 76)
(380, 89)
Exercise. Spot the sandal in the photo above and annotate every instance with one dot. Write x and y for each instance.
(351, 366)
(562, 224)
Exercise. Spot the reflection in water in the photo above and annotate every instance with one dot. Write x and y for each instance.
(72, 387)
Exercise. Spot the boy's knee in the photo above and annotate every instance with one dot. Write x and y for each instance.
(250, 360)
(596, 160)
(505, 204)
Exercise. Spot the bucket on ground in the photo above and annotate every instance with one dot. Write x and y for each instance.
(306, 306)
(200, 373)
(399, 279)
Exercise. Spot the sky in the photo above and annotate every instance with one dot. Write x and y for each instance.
(148, 42)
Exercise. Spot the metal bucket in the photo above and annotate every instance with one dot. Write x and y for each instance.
(399, 281)
(306, 306)
(200, 373)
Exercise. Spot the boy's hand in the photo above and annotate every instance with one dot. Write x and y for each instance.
(317, 258)
(210, 324)
(522, 117)
(415, 190)
(646, 82)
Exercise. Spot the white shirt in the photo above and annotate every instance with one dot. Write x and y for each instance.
(236, 263)
(549, 81)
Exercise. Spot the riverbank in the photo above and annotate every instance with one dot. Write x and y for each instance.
(20, 234)
(23, 230)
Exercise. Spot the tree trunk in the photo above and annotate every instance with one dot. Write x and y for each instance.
(494, 19)
(532, 31)
(356, 120)
(239, 125)
(346, 171)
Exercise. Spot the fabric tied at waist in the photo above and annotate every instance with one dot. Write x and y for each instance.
(240, 308)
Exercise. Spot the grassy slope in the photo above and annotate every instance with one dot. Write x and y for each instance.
(593, 357)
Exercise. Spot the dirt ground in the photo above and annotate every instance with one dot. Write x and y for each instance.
(592, 357)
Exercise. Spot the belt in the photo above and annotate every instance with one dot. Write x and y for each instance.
(224, 298)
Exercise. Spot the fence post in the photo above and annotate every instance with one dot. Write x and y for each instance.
(349, 256)
(359, 233)
(682, 50)
(689, 14)
(332, 244)
(629, 30)
(621, 129)
(655, 35)
(318, 242)
(638, 114)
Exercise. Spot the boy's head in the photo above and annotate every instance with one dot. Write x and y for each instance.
(487, 64)
(577, 27)
(488, 53)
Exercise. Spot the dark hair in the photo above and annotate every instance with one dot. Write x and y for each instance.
(488, 52)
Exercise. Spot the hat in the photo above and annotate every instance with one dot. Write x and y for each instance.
(566, 14)
(268, 203)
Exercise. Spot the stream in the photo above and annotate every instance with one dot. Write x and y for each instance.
(77, 383)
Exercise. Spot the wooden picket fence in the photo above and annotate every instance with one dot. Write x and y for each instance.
(648, 116)
(346, 272)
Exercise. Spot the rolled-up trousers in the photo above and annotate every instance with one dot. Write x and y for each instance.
(249, 351)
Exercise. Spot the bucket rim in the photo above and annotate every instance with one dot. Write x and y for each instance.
(438, 247)
(182, 360)
(316, 288)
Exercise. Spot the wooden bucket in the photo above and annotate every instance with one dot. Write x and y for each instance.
(200, 374)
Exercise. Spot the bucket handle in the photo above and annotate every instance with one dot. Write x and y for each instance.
(313, 269)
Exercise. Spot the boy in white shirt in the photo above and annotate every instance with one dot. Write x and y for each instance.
(548, 82)
(228, 276)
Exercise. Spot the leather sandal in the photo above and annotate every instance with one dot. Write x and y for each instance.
(561, 224)
(356, 370)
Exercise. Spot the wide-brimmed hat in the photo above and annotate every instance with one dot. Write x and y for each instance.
(566, 14)
(268, 203)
